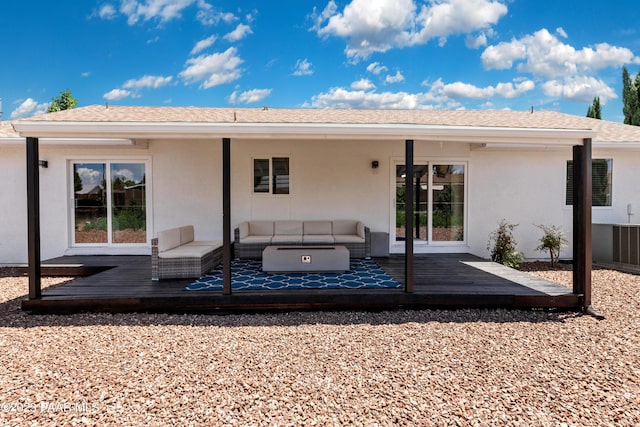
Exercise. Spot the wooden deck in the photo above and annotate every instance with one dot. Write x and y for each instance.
(441, 281)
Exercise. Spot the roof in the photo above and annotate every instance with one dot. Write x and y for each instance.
(7, 131)
(277, 118)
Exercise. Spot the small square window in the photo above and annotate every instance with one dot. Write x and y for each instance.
(271, 175)
(601, 182)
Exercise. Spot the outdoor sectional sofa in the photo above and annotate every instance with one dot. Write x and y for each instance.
(175, 254)
(252, 237)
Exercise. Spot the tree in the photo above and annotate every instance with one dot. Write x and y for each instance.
(503, 245)
(630, 98)
(64, 101)
(552, 241)
(595, 111)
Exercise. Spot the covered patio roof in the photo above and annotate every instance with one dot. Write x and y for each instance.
(480, 128)
(497, 127)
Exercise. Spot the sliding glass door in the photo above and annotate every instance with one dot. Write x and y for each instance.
(439, 202)
(109, 203)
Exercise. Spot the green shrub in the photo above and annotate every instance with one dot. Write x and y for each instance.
(129, 219)
(552, 241)
(503, 246)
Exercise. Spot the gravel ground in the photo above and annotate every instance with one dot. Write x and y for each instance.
(464, 367)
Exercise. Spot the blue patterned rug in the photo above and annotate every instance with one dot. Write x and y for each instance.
(248, 275)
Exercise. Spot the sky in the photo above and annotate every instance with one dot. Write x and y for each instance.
(389, 54)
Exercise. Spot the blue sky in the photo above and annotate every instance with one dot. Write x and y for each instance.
(415, 54)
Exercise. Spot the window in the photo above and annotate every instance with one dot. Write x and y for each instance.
(271, 175)
(601, 182)
(439, 202)
(109, 203)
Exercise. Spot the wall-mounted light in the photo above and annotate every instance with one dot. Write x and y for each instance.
(43, 163)
(375, 164)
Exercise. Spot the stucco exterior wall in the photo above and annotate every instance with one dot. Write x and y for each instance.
(329, 180)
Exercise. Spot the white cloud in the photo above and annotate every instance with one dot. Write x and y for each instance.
(145, 10)
(303, 68)
(363, 84)
(249, 97)
(117, 94)
(376, 68)
(126, 174)
(475, 42)
(343, 98)
(543, 54)
(85, 74)
(90, 177)
(378, 26)
(203, 44)
(460, 90)
(397, 78)
(437, 95)
(562, 33)
(239, 33)
(147, 81)
(579, 89)
(29, 107)
(107, 11)
(137, 11)
(214, 69)
(207, 15)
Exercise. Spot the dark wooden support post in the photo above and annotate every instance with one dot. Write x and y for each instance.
(226, 216)
(582, 245)
(408, 217)
(33, 219)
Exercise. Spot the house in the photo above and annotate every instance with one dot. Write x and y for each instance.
(470, 170)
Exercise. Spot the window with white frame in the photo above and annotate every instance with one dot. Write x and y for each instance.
(601, 182)
(109, 202)
(271, 175)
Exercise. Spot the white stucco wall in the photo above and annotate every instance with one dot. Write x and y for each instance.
(329, 180)
(13, 205)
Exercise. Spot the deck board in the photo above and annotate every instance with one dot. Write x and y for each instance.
(449, 280)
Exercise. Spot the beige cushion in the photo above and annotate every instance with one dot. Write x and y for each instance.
(244, 229)
(286, 238)
(317, 227)
(261, 228)
(168, 239)
(345, 227)
(256, 239)
(348, 238)
(186, 234)
(318, 238)
(360, 229)
(186, 251)
(213, 244)
(288, 228)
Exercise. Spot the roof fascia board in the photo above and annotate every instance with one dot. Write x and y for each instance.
(20, 141)
(152, 130)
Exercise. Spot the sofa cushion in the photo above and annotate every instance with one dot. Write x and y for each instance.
(286, 239)
(348, 238)
(325, 239)
(243, 228)
(261, 228)
(213, 244)
(186, 251)
(287, 228)
(317, 227)
(345, 227)
(186, 234)
(168, 239)
(256, 239)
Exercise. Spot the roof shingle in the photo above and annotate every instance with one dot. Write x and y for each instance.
(606, 131)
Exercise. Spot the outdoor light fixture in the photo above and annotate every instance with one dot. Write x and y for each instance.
(375, 164)
(43, 163)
